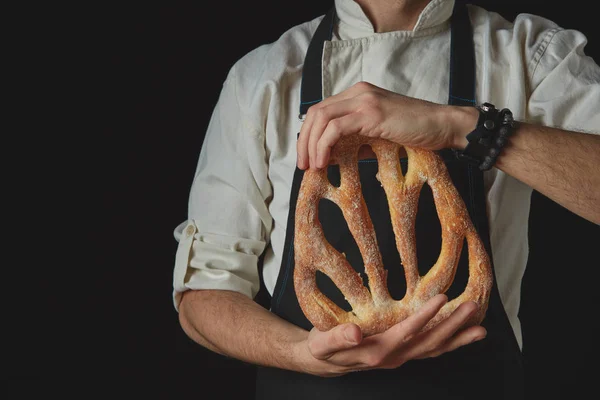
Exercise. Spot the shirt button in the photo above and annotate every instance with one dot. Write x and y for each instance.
(189, 231)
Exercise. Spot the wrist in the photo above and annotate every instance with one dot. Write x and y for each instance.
(302, 358)
(462, 121)
(305, 362)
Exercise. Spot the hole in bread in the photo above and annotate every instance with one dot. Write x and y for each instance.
(365, 152)
(462, 274)
(428, 233)
(402, 155)
(333, 175)
(327, 287)
(337, 234)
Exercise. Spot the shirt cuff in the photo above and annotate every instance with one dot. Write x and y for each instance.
(211, 261)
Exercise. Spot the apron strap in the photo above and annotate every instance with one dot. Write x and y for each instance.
(311, 91)
(462, 58)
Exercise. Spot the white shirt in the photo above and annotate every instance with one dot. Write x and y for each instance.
(239, 199)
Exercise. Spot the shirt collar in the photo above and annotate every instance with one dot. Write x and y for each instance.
(351, 14)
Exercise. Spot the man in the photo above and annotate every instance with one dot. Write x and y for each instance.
(383, 71)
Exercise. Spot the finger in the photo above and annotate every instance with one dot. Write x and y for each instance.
(320, 121)
(336, 128)
(435, 337)
(302, 143)
(462, 338)
(455, 321)
(322, 345)
(322, 118)
(412, 325)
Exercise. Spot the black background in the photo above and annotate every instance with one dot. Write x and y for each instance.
(154, 75)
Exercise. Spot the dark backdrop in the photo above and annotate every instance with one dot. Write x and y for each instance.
(156, 73)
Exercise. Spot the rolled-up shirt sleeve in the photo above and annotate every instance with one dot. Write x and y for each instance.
(228, 222)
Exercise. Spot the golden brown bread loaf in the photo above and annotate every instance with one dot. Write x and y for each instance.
(373, 309)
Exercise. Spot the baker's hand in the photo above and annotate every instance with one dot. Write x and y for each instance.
(343, 349)
(368, 110)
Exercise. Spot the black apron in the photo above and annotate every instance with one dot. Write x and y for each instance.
(487, 369)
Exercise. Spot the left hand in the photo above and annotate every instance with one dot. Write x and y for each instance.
(368, 110)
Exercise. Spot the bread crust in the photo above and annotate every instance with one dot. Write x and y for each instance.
(373, 308)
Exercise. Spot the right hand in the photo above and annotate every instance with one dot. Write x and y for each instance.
(343, 349)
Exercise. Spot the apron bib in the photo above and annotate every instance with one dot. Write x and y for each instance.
(488, 369)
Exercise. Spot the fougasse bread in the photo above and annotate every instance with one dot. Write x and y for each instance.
(373, 308)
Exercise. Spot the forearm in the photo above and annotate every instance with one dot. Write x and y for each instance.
(562, 165)
(233, 325)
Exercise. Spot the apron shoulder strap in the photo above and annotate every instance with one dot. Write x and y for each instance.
(311, 91)
(462, 58)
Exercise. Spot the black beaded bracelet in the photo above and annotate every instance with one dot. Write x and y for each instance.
(489, 137)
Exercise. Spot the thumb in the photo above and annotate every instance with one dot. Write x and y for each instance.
(323, 345)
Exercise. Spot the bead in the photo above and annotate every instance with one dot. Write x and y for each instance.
(494, 152)
(485, 141)
(503, 131)
(500, 141)
(484, 166)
